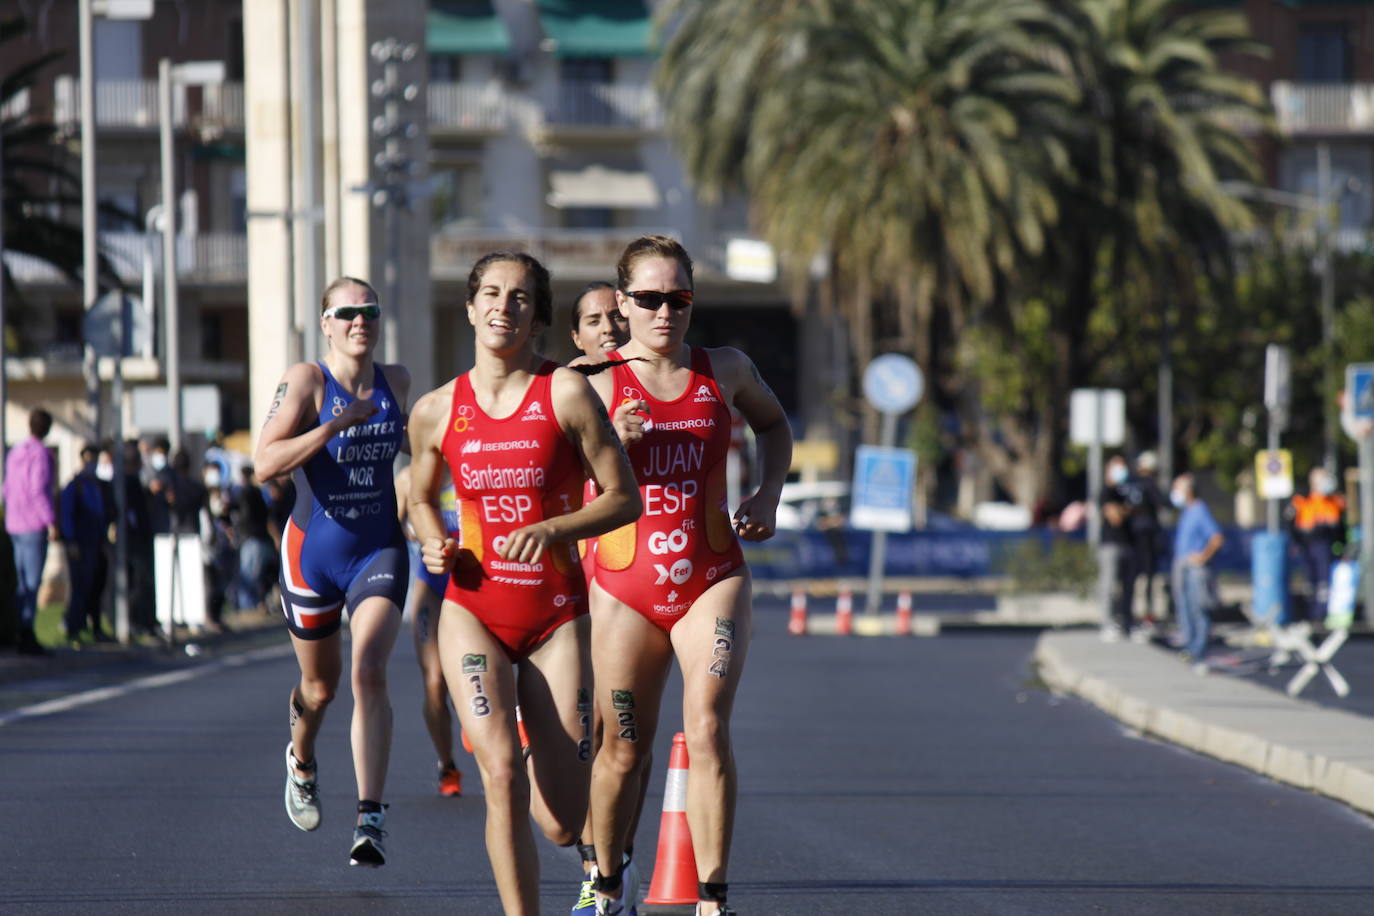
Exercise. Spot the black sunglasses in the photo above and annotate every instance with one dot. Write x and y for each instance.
(677, 300)
(371, 312)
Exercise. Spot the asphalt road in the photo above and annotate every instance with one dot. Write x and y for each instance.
(877, 776)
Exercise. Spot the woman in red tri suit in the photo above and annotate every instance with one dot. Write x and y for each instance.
(519, 435)
(674, 583)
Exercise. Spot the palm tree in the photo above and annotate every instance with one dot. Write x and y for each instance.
(910, 142)
(38, 182)
(1158, 128)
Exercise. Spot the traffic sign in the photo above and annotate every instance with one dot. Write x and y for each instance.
(883, 483)
(102, 329)
(1359, 387)
(893, 383)
(1097, 415)
(1274, 473)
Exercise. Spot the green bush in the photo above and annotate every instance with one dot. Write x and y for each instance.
(1049, 565)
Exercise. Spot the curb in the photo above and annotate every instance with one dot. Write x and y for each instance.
(60, 660)
(1327, 751)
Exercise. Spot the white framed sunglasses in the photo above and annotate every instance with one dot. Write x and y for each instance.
(370, 311)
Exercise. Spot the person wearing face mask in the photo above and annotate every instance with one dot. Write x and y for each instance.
(85, 510)
(1197, 539)
(1146, 533)
(220, 558)
(160, 480)
(1318, 526)
(1116, 554)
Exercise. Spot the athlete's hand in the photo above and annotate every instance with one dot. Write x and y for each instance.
(356, 412)
(629, 421)
(439, 555)
(526, 545)
(755, 520)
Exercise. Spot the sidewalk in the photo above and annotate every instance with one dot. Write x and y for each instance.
(1329, 751)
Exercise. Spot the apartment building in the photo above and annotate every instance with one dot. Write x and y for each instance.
(1320, 79)
(542, 133)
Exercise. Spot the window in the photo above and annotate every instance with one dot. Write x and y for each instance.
(211, 335)
(445, 68)
(67, 327)
(233, 57)
(588, 218)
(118, 49)
(125, 200)
(587, 70)
(457, 198)
(238, 200)
(1323, 53)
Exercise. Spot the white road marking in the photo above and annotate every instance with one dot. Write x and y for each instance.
(167, 678)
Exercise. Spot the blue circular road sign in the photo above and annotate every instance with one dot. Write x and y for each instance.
(893, 383)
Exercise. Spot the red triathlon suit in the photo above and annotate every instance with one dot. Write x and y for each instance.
(508, 473)
(684, 542)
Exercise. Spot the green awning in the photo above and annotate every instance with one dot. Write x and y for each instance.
(465, 27)
(596, 28)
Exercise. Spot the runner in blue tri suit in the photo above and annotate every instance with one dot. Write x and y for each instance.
(337, 426)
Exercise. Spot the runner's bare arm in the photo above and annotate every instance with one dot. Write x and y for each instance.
(428, 420)
(398, 377)
(756, 517)
(282, 447)
(582, 416)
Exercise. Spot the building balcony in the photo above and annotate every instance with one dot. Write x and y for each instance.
(601, 107)
(1323, 109)
(209, 258)
(132, 105)
(580, 254)
(467, 108)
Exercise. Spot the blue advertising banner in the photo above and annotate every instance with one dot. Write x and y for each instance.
(964, 553)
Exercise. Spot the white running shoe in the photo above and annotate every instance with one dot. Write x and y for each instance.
(302, 795)
(367, 841)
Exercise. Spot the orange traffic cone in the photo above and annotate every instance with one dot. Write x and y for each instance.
(796, 624)
(844, 613)
(904, 613)
(675, 867)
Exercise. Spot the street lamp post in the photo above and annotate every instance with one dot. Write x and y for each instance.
(90, 287)
(195, 73)
(394, 191)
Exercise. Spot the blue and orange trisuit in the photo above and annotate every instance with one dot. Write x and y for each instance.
(343, 543)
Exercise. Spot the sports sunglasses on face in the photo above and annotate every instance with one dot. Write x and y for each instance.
(677, 300)
(371, 311)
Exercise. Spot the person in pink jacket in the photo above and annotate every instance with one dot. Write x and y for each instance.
(30, 521)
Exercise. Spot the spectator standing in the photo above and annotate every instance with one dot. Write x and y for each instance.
(86, 509)
(1318, 527)
(138, 558)
(1146, 533)
(281, 497)
(188, 496)
(219, 556)
(30, 521)
(1197, 539)
(160, 480)
(256, 568)
(1116, 555)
